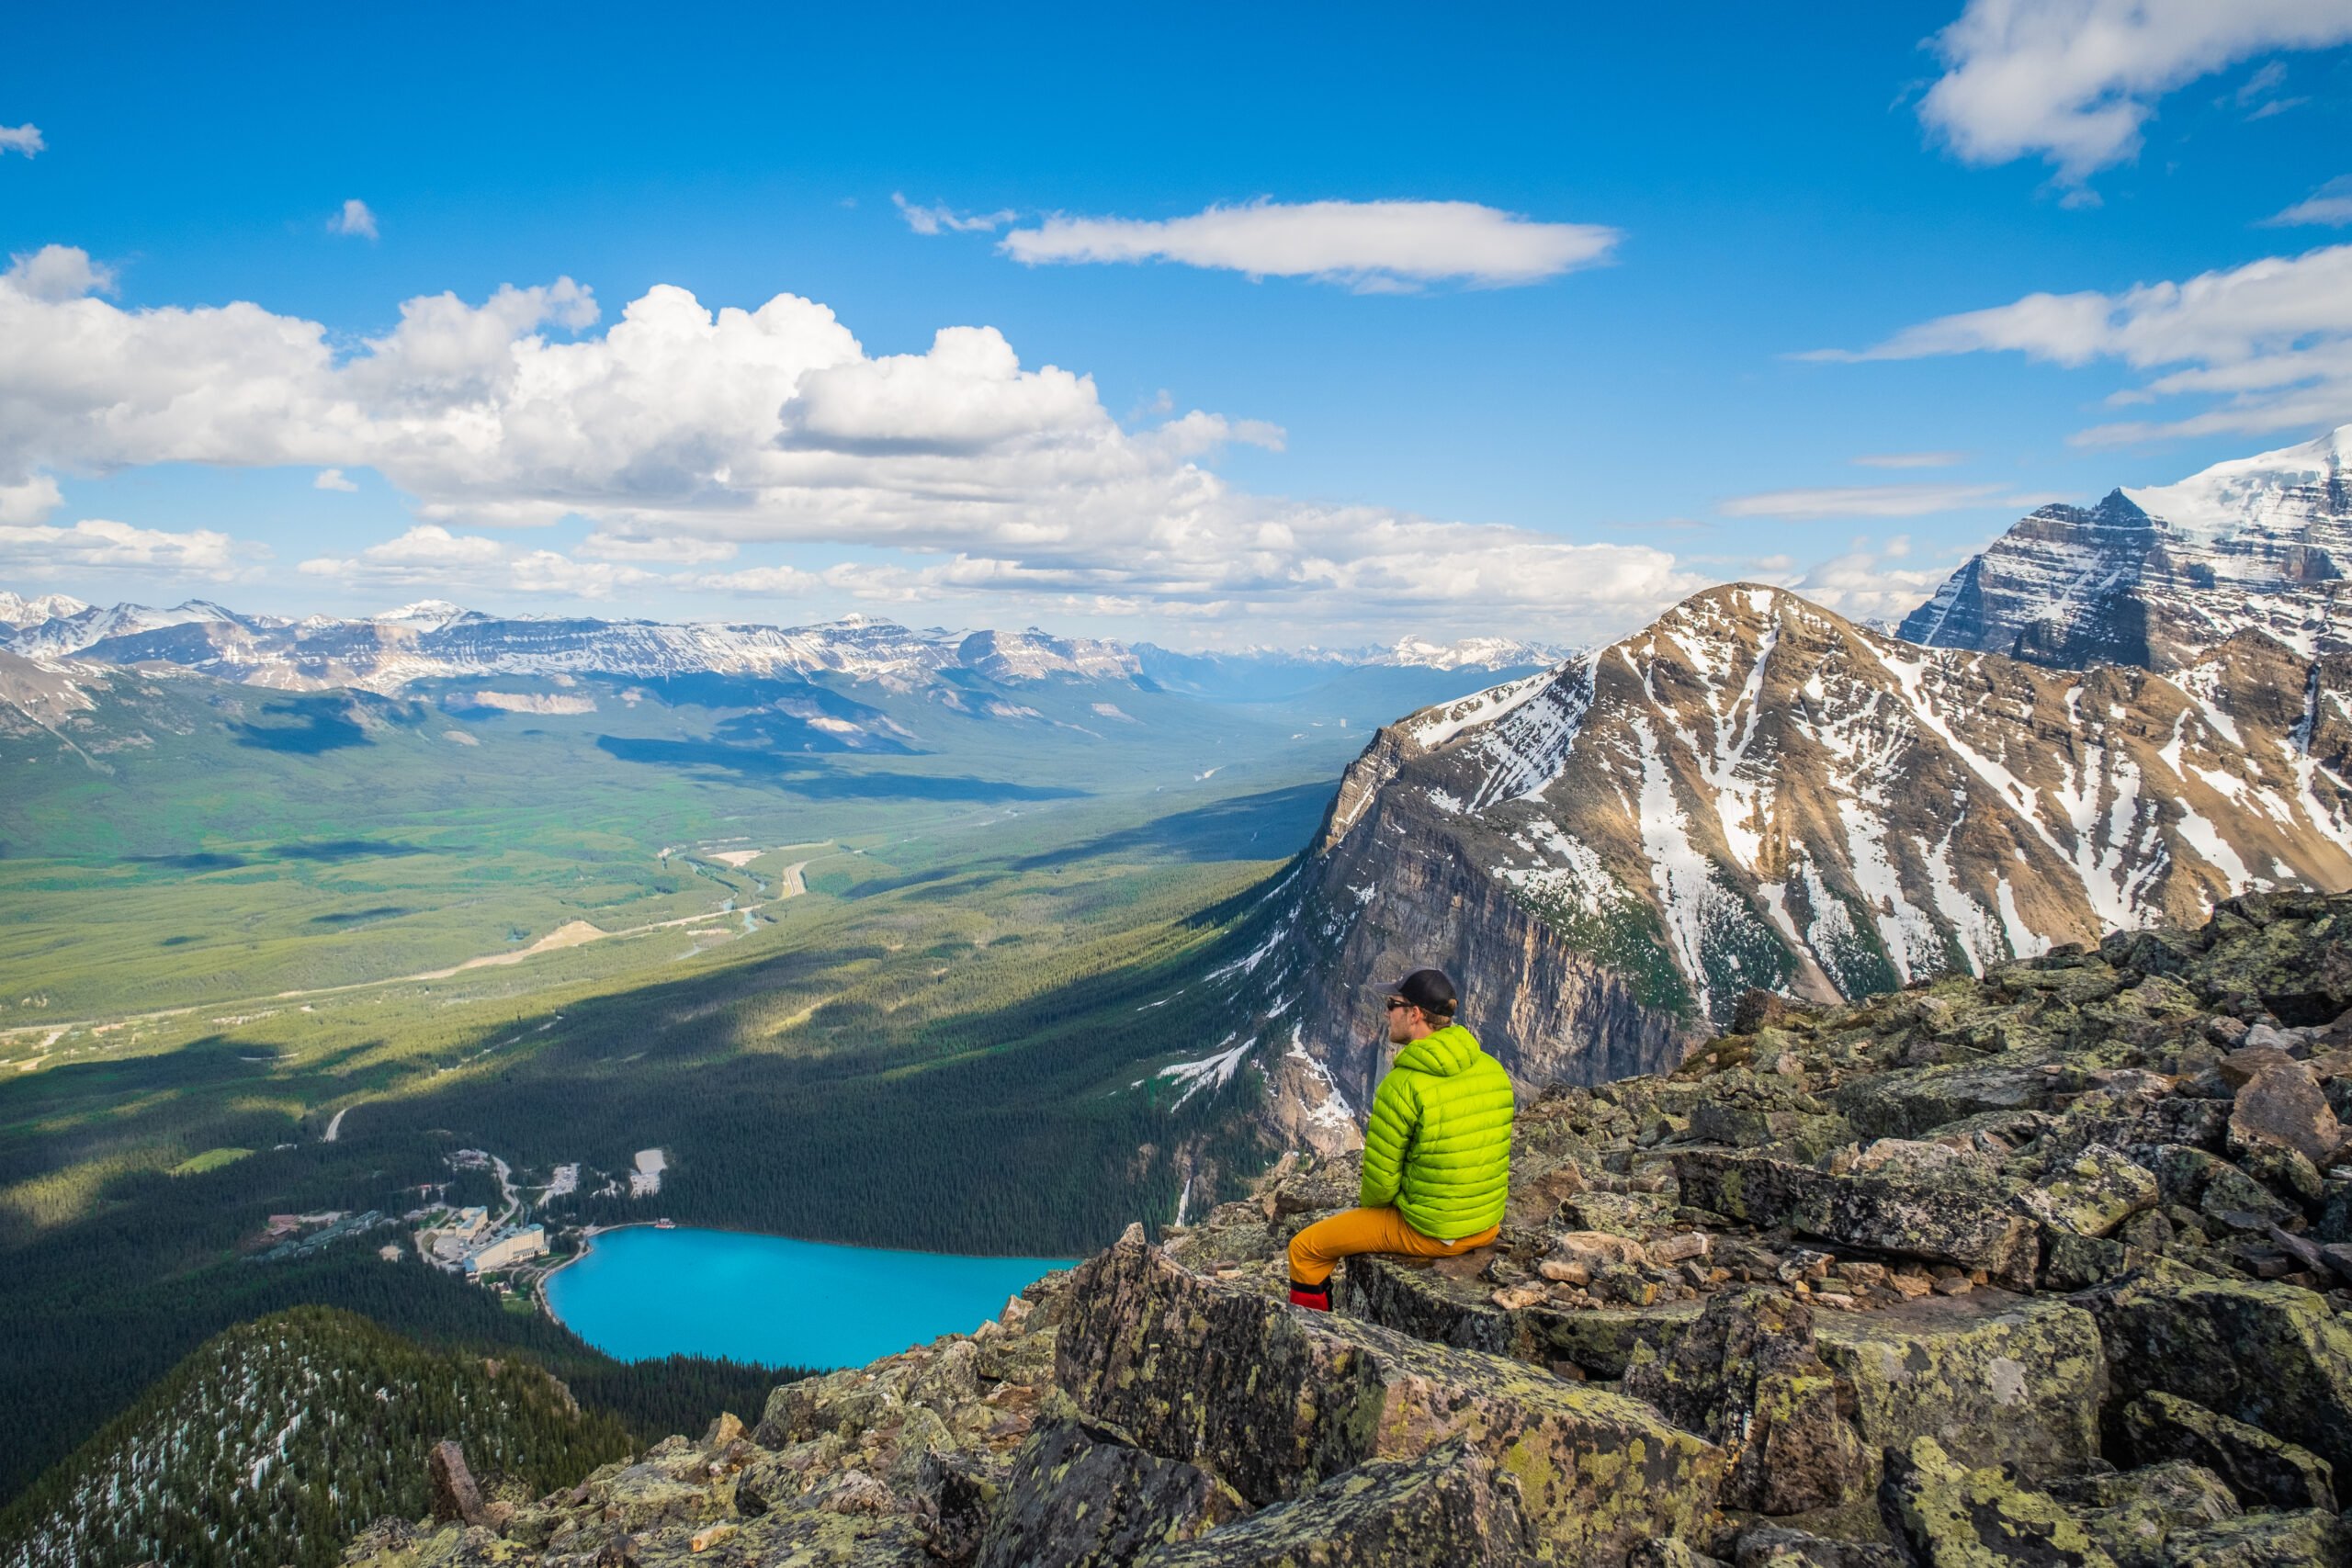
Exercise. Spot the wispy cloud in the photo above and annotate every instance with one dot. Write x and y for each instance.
(1875, 501)
(2272, 340)
(332, 478)
(355, 219)
(25, 139)
(429, 556)
(1371, 246)
(943, 219)
(2331, 205)
(1910, 459)
(2074, 81)
(100, 545)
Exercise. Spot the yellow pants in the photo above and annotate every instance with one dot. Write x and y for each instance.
(1324, 1243)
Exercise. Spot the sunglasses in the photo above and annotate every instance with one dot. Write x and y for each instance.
(1396, 1002)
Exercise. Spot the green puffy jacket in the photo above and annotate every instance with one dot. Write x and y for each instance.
(1438, 1143)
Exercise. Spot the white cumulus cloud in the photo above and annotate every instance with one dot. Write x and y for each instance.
(97, 545)
(686, 434)
(332, 478)
(355, 219)
(1869, 582)
(25, 139)
(2074, 81)
(57, 272)
(429, 556)
(2270, 342)
(1378, 246)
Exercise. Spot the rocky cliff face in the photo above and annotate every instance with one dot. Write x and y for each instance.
(2155, 577)
(1754, 792)
(2050, 1266)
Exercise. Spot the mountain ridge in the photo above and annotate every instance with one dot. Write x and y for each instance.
(2154, 576)
(435, 639)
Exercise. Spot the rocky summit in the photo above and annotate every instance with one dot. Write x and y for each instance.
(2050, 1265)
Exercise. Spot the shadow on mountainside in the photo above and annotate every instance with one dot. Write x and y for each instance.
(1270, 825)
(816, 780)
(321, 724)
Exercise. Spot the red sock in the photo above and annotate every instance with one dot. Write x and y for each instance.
(1314, 1298)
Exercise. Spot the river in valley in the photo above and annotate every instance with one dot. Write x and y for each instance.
(642, 1291)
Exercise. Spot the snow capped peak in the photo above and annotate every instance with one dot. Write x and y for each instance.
(426, 614)
(2153, 576)
(17, 610)
(2272, 491)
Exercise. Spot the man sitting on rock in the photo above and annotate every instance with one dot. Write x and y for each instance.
(1436, 1154)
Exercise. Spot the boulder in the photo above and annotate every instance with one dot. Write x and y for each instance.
(1773, 1547)
(1988, 1373)
(2134, 1513)
(2283, 1103)
(2260, 1470)
(1957, 1517)
(1445, 1509)
(1275, 1401)
(456, 1498)
(2306, 1539)
(2092, 1194)
(1943, 1222)
(1939, 1216)
(1424, 1302)
(2269, 1355)
(1907, 1104)
(1082, 1496)
(1745, 1375)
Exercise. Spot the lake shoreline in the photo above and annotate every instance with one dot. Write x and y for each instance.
(923, 1294)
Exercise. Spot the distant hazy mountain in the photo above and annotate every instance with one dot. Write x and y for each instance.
(2152, 577)
(20, 612)
(436, 640)
(1753, 791)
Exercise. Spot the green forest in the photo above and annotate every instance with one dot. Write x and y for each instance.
(273, 1442)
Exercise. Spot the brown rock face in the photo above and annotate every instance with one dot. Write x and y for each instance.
(1747, 1376)
(456, 1498)
(2283, 1103)
(1276, 1400)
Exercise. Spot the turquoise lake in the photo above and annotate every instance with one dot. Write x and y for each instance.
(769, 1299)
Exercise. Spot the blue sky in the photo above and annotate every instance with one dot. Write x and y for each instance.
(1557, 450)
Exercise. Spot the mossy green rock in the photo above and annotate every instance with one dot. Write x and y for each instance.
(1957, 1517)
(2261, 1470)
(2270, 1354)
(1984, 1374)
(1747, 1375)
(1083, 1497)
(2308, 1540)
(2133, 1514)
(1413, 1298)
(1445, 1509)
(2092, 1193)
(1275, 1401)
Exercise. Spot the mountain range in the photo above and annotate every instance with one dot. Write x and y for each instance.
(2152, 577)
(2121, 716)
(433, 639)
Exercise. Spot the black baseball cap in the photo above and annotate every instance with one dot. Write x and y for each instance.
(1426, 990)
